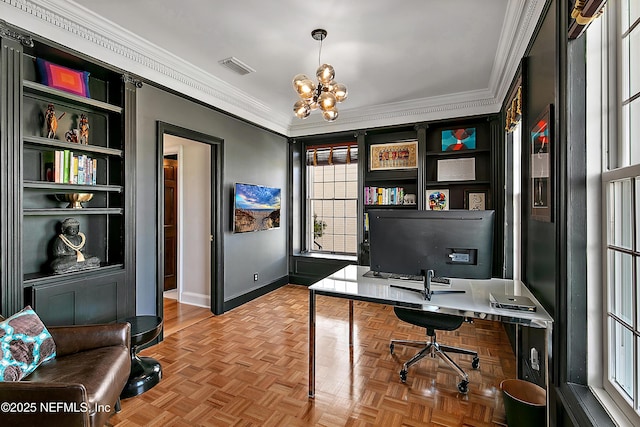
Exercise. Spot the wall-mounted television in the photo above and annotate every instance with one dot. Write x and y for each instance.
(255, 208)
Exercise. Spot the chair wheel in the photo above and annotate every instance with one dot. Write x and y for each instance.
(391, 347)
(403, 376)
(475, 363)
(463, 387)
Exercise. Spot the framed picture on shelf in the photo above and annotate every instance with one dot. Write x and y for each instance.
(541, 178)
(438, 199)
(459, 139)
(394, 155)
(476, 200)
(457, 169)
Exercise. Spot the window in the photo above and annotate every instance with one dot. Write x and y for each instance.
(620, 130)
(332, 198)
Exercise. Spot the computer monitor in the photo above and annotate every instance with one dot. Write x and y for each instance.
(453, 243)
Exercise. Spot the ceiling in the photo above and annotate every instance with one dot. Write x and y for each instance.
(402, 62)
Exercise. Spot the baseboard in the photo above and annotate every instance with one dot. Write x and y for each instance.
(192, 298)
(238, 301)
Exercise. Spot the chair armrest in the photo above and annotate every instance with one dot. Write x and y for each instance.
(73, 339)
(52, 404)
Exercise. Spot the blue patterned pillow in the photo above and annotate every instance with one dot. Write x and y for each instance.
(24, 344)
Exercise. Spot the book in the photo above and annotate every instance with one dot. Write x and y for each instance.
(82, 160)
(73, 178)
(58, 166)
(66, 166)
(48, 164)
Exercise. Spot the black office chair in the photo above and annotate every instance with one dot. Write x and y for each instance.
(433, 321)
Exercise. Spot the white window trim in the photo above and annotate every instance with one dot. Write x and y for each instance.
(603, 59)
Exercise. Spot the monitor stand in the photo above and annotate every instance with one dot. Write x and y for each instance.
(427, 292)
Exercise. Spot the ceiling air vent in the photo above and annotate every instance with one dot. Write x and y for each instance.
(237, 66)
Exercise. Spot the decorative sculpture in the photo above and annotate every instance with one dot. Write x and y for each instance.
(81, 134)
(84, 129)
(68, 248)
(51, 121)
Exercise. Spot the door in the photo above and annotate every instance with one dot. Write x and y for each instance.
(170, 168)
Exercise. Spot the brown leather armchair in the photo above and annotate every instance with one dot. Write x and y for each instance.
(80, 387)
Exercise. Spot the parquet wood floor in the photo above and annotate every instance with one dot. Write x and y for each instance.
(249, 367)
(179, 316)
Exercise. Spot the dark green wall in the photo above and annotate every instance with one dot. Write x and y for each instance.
(540, 244)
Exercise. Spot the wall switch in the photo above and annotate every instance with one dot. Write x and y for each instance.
(255, 277)
(535, 362)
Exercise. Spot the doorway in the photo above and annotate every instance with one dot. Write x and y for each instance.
(170, 167)
(189, 216)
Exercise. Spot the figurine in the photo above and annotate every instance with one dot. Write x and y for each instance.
(84, 129)
(52, 121)
(68, 249)
(80, 135)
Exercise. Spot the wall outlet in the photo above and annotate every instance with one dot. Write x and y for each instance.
(255, 277)
(535, 361)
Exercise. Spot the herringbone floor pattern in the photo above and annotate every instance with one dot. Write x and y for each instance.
(249, 367)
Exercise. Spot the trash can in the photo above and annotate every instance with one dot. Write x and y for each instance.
(525, 403)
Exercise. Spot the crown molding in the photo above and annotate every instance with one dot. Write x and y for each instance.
(521, 21)
(76, 27)
(428, 109)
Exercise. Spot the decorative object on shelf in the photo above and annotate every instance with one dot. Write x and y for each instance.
(541, 173)
(81, 134)
(68, 249)
(409, 199)
(476, 200)
(459, 139)
(63, 78)
(75, 200)
(514, 112)
(256, 208)
(457, 169)
(325, 94)
(438, 199)
(52, 121)
(394, 155)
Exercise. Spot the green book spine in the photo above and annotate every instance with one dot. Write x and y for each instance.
(66, 166)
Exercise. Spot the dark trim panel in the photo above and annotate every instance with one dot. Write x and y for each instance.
(263, 290)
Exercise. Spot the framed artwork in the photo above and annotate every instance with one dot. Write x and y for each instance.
(394, 155)
(463, 169)
(256, 207)
(476, 200)
(541, 179)
(459, 139)
(438, 199)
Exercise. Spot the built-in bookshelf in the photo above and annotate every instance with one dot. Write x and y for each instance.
(71, 166)
(458, 162)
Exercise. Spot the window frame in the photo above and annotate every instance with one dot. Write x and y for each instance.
(309, 226)
(609, 134)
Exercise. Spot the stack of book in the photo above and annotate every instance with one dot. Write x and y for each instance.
(62, 166)
(383, 195)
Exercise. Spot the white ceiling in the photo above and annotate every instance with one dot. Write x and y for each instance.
(402, 61)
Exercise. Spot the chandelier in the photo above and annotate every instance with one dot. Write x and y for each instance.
(323, 95)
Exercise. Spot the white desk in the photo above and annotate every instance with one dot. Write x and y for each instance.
(350, 284)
